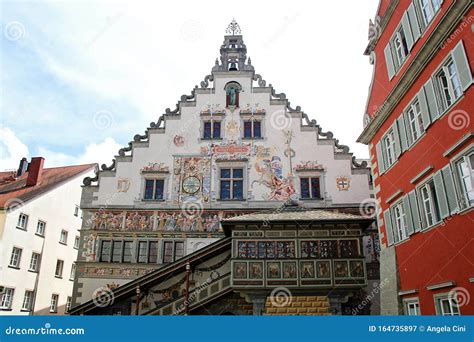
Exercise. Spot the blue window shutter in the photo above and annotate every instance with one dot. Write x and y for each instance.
(396, 136)
(415, 26)
(403, 132)
(425, 110)
(389, 61)
(441, 195)
(380, 160)
(431, 100)
(451, 194)
(407, 31)
(414, 210)
(387, 218)
(407, 210)
(462, 65)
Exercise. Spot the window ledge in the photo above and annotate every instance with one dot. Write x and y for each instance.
(20, 228)
(41, 236)
(153, 200)
(58, 277)
(63, 243)
(231, 200)
(14, 267)
(32, 271)
(25, 310)
(253, 138)
(435, 225)
(210, 139)
(6, 309)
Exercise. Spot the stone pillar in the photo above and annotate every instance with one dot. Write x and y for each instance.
(390, 303)
(258, 302)
(335, 304)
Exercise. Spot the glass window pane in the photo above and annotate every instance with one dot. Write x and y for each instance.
(179, 250)
(149, 189)
(153, 252)
(167, 251)
(142, 248)
(247, 129)
(304, 187)
(207, 130)
(217, 130)
(237, 173)
(105, 251)
(257, 131)
(127, 251)
(315, 189)
(225, 173)
(237, 189)
(159, 187)
(117, 251)
(225, 190)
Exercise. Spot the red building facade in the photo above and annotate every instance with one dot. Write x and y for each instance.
(419, 129)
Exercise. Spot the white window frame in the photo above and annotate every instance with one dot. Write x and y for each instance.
(77, 240)
(41, 231)
(7, 298)
(415, 120)
(76, 210)
(173, 243)
(27, 304)
(454, 92)
(22, 221)
(232, 166)
(452, 303)
(58, 271)
(53, 307)
(15, 257)
(411, 304)
(432, 6)
(73, 271)
(400, 219)
(400, 51)
(463, 179)
(428, 202)
(35, 262)
(389, 146)
(64, 233)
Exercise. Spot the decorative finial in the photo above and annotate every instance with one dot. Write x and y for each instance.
(233, 28)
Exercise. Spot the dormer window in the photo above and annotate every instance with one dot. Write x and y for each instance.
(232, 90)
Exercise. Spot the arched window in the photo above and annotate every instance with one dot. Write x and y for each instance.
(232, 90)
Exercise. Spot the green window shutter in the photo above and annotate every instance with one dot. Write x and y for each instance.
(403, 132)
(408, 129)
(407, 210)
(380, 157)
(414, 210)
(415, 26)
(431, 100)
(450, 189)
(462, 65)
(389, 61)
(441, 195)
(425, 110)
(387, 218)
(396, 136)
(407, 31)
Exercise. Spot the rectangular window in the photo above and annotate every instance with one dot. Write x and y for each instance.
(54, 303)
(127, 251)
(400, 46)
(63, 237)
(154, 189)
(27, 301)
(310, 188)
(252, 129)
(22, 221)
(448, 84)
(400, 221)
(68, 303)
(212, 130)
(415, 121)
(35, 262)
(429, 205)
(58, 273)
(15, 257)
(389, 145)
(142, 251)
(428, 9)
(412, 307)
(447, 306)
(40, 228)
(116, 251)
(73, 272)
(465, 172)
(76, 241)
(76, 210)
(7, 298)
(172, 251)
(153, 252)
(105, 248)
(232, 183)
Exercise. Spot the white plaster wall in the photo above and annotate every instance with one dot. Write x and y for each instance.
(56, 208)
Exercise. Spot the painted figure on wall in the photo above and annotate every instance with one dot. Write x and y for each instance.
(271, 176)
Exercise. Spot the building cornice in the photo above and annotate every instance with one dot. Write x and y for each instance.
(428, 50)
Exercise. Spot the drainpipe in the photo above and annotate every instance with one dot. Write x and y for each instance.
(186, 299)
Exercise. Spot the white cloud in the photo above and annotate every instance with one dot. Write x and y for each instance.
(11, 149)
(102, 152)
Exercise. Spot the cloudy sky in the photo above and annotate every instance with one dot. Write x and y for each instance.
(80, 78)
